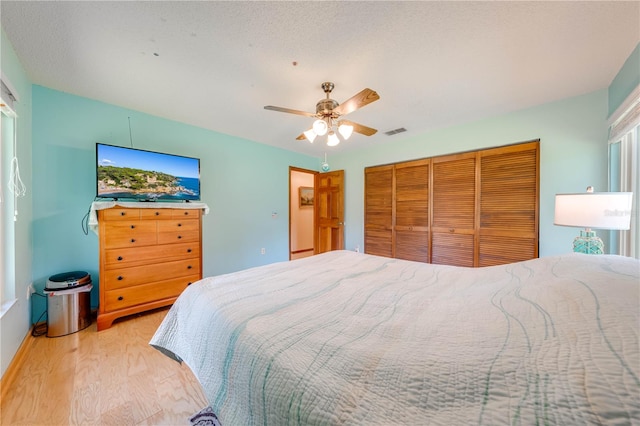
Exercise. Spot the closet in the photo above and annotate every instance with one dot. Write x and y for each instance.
(475, 208)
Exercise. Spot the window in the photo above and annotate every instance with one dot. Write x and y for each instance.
(624, 173)
(8, 195)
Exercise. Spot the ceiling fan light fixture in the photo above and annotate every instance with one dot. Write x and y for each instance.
(320, 127)
(328, 112)
(345, 130)
(332, 139)
(310, 135)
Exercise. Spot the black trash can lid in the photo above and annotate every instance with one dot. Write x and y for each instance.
(67, 280)
(68, 276)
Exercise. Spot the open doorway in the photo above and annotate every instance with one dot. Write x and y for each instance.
(301, 214)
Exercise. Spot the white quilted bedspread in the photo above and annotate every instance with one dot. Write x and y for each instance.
(348, 338)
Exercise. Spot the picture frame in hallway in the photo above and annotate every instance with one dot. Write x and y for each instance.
(305, 196)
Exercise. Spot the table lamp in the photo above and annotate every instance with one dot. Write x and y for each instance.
(597, 210)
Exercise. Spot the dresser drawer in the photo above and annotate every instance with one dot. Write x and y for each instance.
(178, 237)
(120, 214)
(126, 297)
(174, 225)
(132, 256)
(128, 277)
(183, 213)
(147, 214)
(130, 233)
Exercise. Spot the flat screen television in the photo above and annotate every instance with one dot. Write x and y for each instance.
(129, 173)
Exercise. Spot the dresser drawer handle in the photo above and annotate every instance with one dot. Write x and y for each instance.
(157, 213)
(133, 240)
(186, 213)
(179, 224)
(119, 258)
(188, 250)
(123, 213)
(133, 227)
(189, 267)
(179, 237)
(120, 278)
(120, 298)
(189, 283)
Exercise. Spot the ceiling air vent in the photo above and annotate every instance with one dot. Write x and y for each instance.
(393, 132)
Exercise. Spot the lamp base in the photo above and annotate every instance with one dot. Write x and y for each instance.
(588, 243)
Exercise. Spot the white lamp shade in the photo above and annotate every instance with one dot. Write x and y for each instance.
(320, 127)
(345, 130)
(332, 139)
(310, 135)
(598, 210)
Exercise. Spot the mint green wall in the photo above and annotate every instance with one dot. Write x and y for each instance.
(573, 155)
(14, 321)
(627, 79)
(243, 182)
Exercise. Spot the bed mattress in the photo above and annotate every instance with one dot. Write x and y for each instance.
(349, 338)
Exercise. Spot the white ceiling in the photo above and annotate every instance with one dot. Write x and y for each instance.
(216, 64)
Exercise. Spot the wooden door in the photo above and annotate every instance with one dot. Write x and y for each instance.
(378, 210)
(329, 211)
(471, 209)
(411, 230)
(453, 209)
(509, 193)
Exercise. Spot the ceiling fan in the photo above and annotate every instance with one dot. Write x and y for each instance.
(328, 113)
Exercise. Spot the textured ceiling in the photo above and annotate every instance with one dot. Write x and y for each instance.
(216, 64)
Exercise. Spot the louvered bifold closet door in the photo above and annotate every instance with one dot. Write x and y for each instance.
(378, 210)
(508, 204)
(453, 208)
(412, 210)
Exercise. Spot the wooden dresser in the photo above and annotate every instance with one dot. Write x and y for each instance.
(148, 257)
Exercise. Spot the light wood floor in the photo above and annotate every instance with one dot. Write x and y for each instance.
(108, 378)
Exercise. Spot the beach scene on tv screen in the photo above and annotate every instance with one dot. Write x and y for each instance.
(146, 175)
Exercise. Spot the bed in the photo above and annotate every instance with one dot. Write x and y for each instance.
(346, 338)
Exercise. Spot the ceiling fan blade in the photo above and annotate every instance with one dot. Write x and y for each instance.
(359, 128)
(290, 111)
(365, 97)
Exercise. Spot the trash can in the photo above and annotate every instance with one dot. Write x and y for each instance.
(68, 303)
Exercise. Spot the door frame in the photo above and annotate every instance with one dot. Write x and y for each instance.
(292, 200)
